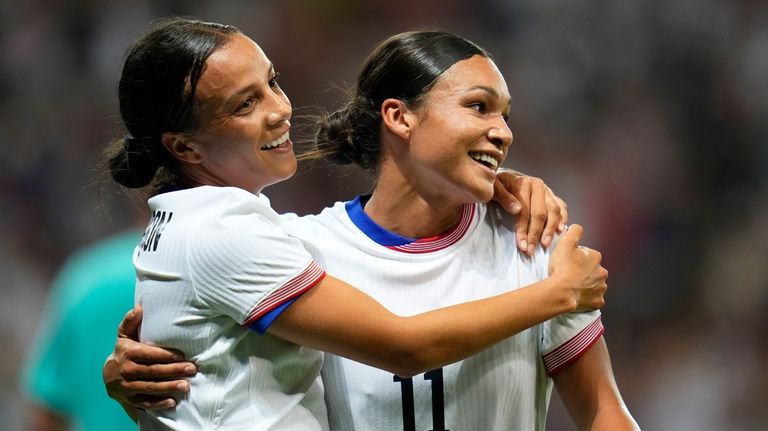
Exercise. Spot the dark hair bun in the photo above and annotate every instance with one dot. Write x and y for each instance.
(336, 132)
(350, 134)
(135, 165)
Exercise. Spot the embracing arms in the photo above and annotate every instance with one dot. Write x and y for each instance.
(335, 317)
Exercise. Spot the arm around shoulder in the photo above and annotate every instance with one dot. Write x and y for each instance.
(338, 318)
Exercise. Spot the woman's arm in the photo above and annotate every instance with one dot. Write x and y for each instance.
(335, 317)
(589, 392)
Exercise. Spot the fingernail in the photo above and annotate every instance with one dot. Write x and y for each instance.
(178, 357)
(516, 207)
(183, 386)
(547, 239)
(190, 369)
(531, 247)
(170, 403)
(561, 227)
(524, 245)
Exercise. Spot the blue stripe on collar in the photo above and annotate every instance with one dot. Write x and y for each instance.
(370, 228)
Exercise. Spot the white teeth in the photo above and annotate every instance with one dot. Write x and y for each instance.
(485, 158)
(276, 142)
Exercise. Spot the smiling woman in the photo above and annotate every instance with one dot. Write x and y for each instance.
(244, 113)
(222, 278)
(429, 117)
(245, 141)
(455, 138)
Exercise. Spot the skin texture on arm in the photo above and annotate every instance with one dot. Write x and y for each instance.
(589, 392)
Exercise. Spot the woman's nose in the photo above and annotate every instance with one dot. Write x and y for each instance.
(280, 109)
(500, 133)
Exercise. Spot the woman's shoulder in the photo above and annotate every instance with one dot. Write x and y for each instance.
(209, 202)
(208, 215)
(329, 221)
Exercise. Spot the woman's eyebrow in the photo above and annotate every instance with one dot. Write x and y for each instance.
(249, 87)
(490, 90)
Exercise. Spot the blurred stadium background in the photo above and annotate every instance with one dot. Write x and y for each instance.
(649, 117)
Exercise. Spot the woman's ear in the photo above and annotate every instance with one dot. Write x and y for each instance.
(397, 117)
(179, 146)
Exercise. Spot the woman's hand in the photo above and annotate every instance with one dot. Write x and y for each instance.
(539, 213)
(578, 271)
(140, 376)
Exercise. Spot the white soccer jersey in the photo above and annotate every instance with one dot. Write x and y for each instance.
(212, 261)
(506, 387)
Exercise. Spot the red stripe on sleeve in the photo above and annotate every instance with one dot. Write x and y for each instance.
(294, 287)
(568, 352)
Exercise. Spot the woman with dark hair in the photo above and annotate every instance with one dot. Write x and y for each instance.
(429, 118)
(223, 280)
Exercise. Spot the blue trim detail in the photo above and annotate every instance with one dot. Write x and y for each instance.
(262, 324)
(370, 228)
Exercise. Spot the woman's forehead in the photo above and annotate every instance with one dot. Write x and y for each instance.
(237, 54)
(476, 72)
(236, 64)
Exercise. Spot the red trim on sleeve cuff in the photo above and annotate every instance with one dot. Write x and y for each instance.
(568, 352)
(294, 287)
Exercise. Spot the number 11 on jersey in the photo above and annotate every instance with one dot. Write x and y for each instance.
(438, 401)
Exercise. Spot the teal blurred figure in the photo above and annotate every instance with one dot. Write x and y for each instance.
(62, 376)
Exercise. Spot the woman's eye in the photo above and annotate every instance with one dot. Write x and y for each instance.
(246, 105)
(478, 106)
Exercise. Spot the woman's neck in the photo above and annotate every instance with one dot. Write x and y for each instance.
(401, 209)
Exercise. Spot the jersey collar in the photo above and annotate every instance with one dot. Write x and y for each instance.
(405, 244)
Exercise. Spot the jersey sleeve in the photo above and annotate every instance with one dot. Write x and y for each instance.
(247, 266)
(565, 338)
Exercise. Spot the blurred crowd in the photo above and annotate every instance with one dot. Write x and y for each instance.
(650, 118)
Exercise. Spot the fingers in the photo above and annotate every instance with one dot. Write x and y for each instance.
(563, 213)
(152, 395)
(157, 373)
(523, 217)
(129, 327)
(600, 288)
(591, 253)
(539, 214)
(555, 222)
(503, 189)
(148, 387)
(154, 390)
(572, 236)
(130, 350)
(146, 402)
(145, 386)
